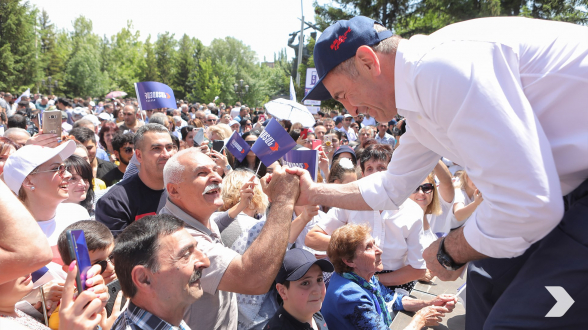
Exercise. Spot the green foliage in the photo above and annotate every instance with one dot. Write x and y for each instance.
(19, 66)
(189, 51)
(149, 71)
(165, 53)
(126, 60)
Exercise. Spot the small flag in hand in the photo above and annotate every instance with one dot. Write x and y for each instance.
(154, 95)
(237, 146)
(273, 143)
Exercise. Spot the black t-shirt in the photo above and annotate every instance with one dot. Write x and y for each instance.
(103, 168)
(113, 176)
(126, 202)
(283, 320)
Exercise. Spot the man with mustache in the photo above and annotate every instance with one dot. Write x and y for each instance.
(159, 265)
(194, 189)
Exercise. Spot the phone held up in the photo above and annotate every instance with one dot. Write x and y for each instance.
(78, 250)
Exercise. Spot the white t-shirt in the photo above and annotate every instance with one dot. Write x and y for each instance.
(441, 223)
(460, 197)
(399, 233)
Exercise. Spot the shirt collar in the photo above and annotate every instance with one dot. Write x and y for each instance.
(147, 321)
(174, 210)
(404, 67)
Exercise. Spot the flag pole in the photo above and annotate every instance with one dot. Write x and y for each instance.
(258, 168)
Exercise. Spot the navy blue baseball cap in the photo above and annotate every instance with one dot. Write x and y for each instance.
(338, 43)
(297, 262)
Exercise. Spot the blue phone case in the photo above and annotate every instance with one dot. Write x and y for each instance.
(79, 251)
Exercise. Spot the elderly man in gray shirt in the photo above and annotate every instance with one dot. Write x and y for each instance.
(194, 188)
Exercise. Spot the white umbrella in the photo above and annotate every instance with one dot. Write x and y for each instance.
(293, 111)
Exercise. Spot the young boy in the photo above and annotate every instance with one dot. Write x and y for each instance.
(100, 245)
(300, 285)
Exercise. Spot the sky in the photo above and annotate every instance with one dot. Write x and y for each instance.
(264, 25)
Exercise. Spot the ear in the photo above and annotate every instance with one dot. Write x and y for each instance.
(282, 291)
(172, 190)
(27, 183)
(366, 60)
(139, 156)
(337, 181)
(349, 263)
(117, 154)
(142, 278)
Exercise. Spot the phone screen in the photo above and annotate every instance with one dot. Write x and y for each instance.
(217, 145)
(199, 136)
(78, 250)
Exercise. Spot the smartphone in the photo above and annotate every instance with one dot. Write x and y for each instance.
(199, 136)
(78, 250)
(317, 143)
(52, 122)
(328, 142)
(261, 118)
(113, 289)
(217, 145)
(304, 133)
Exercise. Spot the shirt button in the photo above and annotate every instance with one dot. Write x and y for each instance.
(419, 117)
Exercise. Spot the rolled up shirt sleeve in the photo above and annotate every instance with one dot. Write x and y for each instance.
(475, 95)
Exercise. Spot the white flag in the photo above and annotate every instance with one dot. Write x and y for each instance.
(27, 93)
(292, 91)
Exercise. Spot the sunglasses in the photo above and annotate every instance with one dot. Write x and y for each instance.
(427, 188)
(128, 150)
(212, 120)
(60, 170)
(250, 142)
(104, 263)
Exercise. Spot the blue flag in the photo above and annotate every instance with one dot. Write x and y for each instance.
(237, 146)
(272, 143)
(36, 275)
(306, 159)
(153, 95)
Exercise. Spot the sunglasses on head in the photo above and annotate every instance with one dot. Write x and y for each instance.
(427, 188)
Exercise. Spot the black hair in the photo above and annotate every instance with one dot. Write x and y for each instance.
(83, 169)
(175, 140)
(262, 168)
(119, 140)
(185, 130)
(17, 120)
(138, 244)
(98, 237)
(83, 134)
(381, 152)
(295, 134)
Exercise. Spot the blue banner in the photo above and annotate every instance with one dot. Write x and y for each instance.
(273, 143)
(237, 146)
(154, 95)
(306, 159)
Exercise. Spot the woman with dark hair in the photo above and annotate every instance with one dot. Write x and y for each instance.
(108, 130)
(7, 148)
(80, 184)
(188, 133)
(251, 161)
(246, 126)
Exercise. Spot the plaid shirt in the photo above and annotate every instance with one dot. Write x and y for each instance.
(135, 318)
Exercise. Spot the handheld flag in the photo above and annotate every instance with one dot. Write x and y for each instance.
(272, 143)
(153, 95)
(292, 90)
(306, 159)
(237, 146)
(27, 93)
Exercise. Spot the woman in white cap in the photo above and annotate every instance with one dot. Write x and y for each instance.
(40, 179)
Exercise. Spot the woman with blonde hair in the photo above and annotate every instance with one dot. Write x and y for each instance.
(467, 199)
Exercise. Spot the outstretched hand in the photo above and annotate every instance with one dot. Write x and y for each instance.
(83, 312)
(306, 185)
(281, 185)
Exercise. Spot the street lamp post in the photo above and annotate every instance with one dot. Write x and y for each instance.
(239, 90)
(49, 84)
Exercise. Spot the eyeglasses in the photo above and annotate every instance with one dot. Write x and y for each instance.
(248, 124)
(250, 142)
(347, 119)
(60, 170)
(427, 188)
(128, 150)
(212, 120)
(104, 263)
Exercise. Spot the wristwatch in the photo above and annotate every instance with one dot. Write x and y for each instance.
(228, 168)
(445, 259)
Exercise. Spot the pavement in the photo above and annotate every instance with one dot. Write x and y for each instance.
(453, 321)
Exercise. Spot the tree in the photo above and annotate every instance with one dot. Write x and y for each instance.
(165, 53)
(47, 37)
(19, 66)
(149, 71)
(189, 52)
(126, 59)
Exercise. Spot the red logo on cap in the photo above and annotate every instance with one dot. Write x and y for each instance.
(340, 40)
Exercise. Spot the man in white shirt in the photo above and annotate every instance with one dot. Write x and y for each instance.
(383, 137)
(528, 79)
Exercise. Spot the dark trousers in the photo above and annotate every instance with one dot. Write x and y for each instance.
(511, 293)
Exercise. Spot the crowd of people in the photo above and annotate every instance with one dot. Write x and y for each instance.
(143, 178)
(196, 239)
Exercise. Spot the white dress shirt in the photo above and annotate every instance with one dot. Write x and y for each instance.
(486, 93)
(399, 233)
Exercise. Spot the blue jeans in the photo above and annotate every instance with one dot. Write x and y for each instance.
(511, 293)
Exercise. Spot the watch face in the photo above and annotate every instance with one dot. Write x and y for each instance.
(444, 261)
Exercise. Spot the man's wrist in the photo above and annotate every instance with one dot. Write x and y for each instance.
(458, 248)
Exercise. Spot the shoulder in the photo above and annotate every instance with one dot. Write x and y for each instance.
(72, 211)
